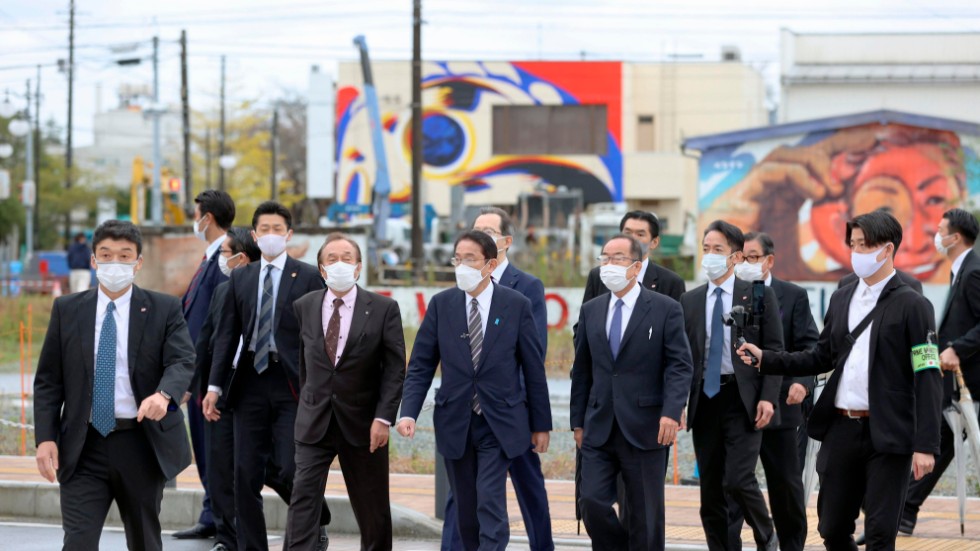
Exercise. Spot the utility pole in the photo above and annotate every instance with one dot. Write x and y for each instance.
(156, 196)
(207, 158)
(71, 87)
(37, 145)
(274, 149)
(186, 115)
(418, 255)
(30, 187)
(221, 130)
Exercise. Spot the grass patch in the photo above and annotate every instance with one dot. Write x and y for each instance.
(14, 311)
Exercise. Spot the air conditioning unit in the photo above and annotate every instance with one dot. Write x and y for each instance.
(731, 53)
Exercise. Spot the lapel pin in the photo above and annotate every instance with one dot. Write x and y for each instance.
(745, 298)
(653, 285)
(496, 321)
(294, 274)
(143, 309)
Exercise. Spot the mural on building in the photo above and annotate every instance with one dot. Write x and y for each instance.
(802, 189)
(458, 103)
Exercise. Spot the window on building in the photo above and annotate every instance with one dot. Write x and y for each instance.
(549, 130)
(646, 139)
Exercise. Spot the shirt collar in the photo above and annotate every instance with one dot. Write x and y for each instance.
(348, 298)
(876, 289)
(769, 280)
(483, 298)
(214, 246)
(643, 268)
(629, 299)
(121, 302)
(278, 262)
(958, 263)
(498, 272)
(727, 286)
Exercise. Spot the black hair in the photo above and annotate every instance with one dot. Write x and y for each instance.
(219, 205)
(506, 225)
(79, 237)
(339, 236)
(879, 227)
(732, 234)
(486, 243)
(119, 230)
(242, 242)
(648, 217)
(272, 207)
(768, 247)
(636, 250)
(964, 223)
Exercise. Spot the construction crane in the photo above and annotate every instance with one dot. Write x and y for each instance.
(381, 209)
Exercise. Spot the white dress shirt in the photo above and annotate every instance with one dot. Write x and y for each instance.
(483, 305)
(728, 290)
(279, 264)
(498, 272)
(852, 392)
(214, 246)
(125, 401)
(958, 263)
(629, 303)
(644, 266)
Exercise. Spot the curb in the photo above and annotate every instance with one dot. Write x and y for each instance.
(180, 509)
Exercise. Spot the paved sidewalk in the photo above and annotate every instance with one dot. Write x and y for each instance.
(938, 527)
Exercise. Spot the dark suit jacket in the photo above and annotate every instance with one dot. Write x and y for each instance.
(161, 357)
(799, 333)
(752, 387)
(365, 385)
(904, 405)
(198, 302)
(532, 288)
(206, 340)
(960, 323)
(908, 279)
(511, 348)
(649, 378)
(656, 278)
(298, 279)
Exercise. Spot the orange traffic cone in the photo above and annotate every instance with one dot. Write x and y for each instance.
(56, 291)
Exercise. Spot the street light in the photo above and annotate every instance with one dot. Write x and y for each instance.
(7, 109)
(6, 150)
(19, 128)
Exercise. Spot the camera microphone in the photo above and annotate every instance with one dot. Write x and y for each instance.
(464, 336)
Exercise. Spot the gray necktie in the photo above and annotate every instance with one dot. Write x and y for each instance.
(476, 344)
(265, 323)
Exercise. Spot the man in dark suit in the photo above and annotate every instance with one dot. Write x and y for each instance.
(525, 471)
(626, 400)
(730, 403)
(959, 340)
(263, 386)
(483, 335)
(214, 213)
(351, 368)
(114, 365)
(784, 472)
(879, 415)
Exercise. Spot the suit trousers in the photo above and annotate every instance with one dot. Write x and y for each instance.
(642, 472)
(199, 442)
(366, 478)
(727, 448)
(478, 480)
(784, 479)
(120, 467)
(920, 489)
(528, 480)
(852, 472)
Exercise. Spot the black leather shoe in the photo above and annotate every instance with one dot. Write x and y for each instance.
(198, 532)
(860, 539)
(324, 541)
(773, 543)
(220, 547)
(906, 526)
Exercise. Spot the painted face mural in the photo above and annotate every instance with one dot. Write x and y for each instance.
(803, 189)
(458, 101)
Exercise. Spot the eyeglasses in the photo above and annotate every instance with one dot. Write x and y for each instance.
(615, 259)
(471, 262)
(493, 233)
(226, 252)
(753, 258)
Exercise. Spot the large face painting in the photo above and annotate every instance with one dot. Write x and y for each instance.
(458, 100)
(803, 189)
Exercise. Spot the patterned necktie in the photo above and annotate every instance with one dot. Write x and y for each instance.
(104, 385)
(616, 329)
(195, 281)
(265, 323)
(712, 379)
(333, 331)
(476, 344)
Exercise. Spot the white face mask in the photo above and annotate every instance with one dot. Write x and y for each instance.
(199, 233)
(866, 264)
(468, 278)
(498, 241)
(614, 277)
(939, 243)
(340, 276)
(115, 276)
(272, 244)
(749, 272)
(223, 264)
(714, 265)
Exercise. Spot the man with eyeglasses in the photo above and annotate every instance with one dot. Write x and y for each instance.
(484, 337)
(525, 470)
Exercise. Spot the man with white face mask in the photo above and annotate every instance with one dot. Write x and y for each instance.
(483, 334)
(729, 403)
(351, 368)
(114, 365)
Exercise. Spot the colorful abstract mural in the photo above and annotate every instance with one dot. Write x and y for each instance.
(458, 101)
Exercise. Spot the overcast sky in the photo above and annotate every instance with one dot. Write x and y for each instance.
(270, 45)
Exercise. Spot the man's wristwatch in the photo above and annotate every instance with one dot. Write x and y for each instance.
(165, 395)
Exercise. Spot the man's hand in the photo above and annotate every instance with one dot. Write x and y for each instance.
(186, 398)
(539, 441)
(763, 414)
(406, 428)
(154, 407)
(47, 460)
(379, 435)
(209, 406)
(578, 438)
(683, 425)
(949, 359)
(668, 431)
(797, 393)
(922, 464)
(748, 351)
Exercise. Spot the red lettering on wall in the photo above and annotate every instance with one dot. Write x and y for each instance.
(562, 310)
(420, 303)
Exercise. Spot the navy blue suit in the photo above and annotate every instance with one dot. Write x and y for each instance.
(196, 303)
(479, 448)
(525, 471)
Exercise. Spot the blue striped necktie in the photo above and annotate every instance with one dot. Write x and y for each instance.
(104, 385)
(712, 378)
